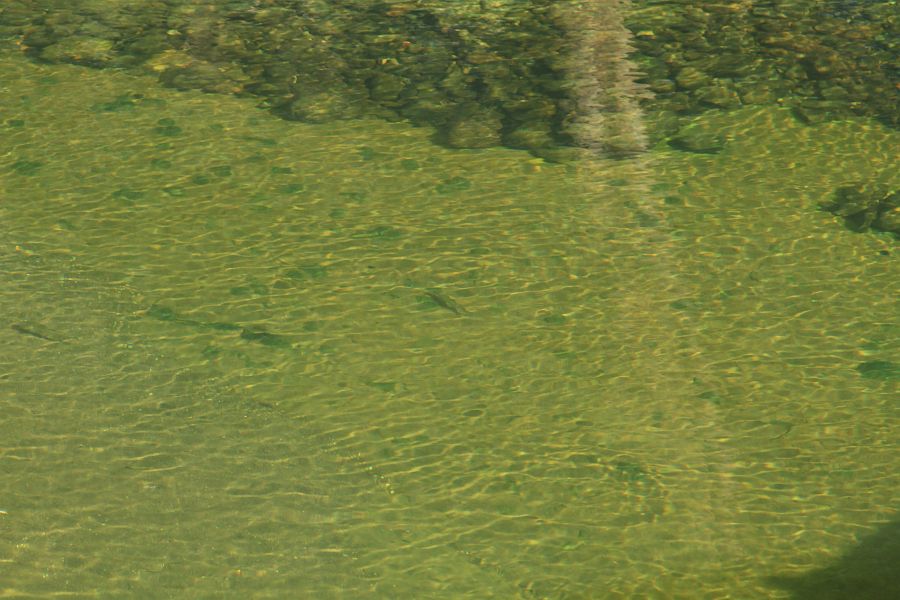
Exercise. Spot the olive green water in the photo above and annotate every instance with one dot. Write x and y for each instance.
(243, 357)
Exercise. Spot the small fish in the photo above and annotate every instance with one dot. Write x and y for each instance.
(445, 302)
(164, 313)
(18, 328)
(265, 338)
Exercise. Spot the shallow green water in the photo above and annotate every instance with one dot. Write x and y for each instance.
(244, 357)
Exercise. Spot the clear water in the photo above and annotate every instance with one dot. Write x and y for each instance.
(246, 357)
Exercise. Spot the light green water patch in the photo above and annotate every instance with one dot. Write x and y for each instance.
(493, 377)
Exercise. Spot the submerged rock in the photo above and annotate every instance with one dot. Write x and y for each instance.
(81, 50)
(539, 75)
(473, 127)
(699, 139)
(865, 206)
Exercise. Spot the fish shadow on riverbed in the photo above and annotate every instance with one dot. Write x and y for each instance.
(36, 332)
(435, 298)
(249, 333)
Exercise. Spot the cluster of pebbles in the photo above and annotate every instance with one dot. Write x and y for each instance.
(485, 73)
(825, 60)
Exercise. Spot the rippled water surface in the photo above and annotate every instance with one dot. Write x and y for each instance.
(243, 356)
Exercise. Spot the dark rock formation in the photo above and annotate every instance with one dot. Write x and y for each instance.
(865, 206)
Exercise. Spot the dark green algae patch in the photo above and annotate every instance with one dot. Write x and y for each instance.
(248, 333)
(879, 369)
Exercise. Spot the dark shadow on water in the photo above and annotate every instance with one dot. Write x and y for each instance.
(870, 571)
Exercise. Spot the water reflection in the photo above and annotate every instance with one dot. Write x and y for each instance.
(601, 79)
